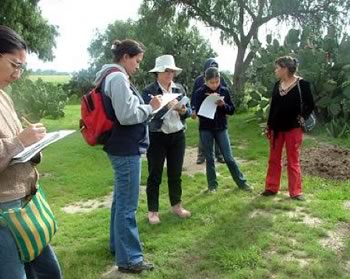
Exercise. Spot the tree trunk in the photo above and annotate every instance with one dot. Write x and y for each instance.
(239, 77)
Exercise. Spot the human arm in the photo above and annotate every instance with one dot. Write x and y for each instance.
(226, 105)
(11, 146)
(308, 101)
(127, 106)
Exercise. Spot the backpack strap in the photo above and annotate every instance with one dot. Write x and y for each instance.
(107, 102)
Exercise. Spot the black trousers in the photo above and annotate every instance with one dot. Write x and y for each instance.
(172, 148)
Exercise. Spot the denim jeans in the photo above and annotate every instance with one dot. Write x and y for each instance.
(45, 266)
(200, 152)
(172, 148)
(124, 234)
(221, 138)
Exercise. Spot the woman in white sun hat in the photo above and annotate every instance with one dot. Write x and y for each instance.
(167, 138)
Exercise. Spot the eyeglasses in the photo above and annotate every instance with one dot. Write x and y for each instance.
(19, 67)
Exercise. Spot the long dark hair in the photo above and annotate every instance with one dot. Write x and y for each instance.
(10, 41)
(129, 47)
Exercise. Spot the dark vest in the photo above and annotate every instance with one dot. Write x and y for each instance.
(127, 140)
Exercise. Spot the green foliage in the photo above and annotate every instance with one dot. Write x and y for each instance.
(239, 22)
(80, 83)
(24, 16)
(38, 99)
(323, 61)
(338, 128)
(170, 37)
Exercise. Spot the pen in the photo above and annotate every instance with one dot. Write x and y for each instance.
(26, 121)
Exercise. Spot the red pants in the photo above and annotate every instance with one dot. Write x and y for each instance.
(293, 140)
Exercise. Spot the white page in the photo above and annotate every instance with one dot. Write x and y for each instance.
(30, 151)
(208, 107)
(182, 102)
(166, 99)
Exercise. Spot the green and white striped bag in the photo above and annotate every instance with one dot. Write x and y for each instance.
(33, 225)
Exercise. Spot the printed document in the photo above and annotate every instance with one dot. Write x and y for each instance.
(183, 102)
(208, 107)
(30, 151)
(166, 99)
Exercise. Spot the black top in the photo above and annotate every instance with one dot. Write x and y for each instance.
(219, 122)
(284, 110)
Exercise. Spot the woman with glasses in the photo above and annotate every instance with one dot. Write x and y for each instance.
(17, 181)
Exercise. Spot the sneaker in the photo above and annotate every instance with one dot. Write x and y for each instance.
(211, 191)
(200, 161)
(268, 193)
(180, 211)
(136, 268)
(298, 198)
(153, 217)
(246, 188)
(220, 160)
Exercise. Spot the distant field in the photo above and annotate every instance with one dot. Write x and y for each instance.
(51, 78)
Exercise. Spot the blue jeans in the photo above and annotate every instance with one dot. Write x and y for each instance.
(124, 234)
(45, 266)
(222, 140)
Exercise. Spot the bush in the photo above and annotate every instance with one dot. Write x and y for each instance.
(38, 99)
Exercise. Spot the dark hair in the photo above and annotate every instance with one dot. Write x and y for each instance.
(288, 62)
(129, 47)
(10, 41)
(211, 72)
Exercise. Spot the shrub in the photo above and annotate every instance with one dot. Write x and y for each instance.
(38, 99)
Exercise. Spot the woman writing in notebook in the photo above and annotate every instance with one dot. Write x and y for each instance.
(167, 139)
(20, 180)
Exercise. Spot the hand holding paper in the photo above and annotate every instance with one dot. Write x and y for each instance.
(209, 105)
(31, 150)
(166, 98)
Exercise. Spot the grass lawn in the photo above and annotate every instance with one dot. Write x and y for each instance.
(230, 235)
(51, 78)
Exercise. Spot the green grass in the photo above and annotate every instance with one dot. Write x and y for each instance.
(230, 235)
(58, 79)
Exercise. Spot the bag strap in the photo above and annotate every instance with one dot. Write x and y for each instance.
(301, 98)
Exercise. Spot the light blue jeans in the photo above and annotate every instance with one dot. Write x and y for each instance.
(45, 266)
(222, 140)
(124, 234)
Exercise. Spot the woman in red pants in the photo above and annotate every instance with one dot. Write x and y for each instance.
(283, 126)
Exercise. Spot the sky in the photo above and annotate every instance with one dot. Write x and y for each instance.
(78, 21)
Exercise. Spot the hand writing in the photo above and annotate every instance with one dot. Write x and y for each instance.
(32, 134)
(156, 101)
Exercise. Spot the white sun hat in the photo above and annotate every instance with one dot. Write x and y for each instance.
(165, 62)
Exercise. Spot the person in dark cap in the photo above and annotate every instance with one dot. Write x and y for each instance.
(198, 83)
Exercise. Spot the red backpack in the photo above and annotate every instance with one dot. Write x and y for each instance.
(95, 123)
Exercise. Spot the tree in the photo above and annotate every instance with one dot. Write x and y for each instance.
(171, 37)
(323, 60)
(25, 17)
(239, 21)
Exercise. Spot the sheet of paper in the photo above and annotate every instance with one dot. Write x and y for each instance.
(182, 102)
(208, 107)
(30, 151)
(166, 99)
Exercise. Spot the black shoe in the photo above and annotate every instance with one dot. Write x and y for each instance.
(298, 198)
(136, 268)
(268, 193)
(200, 161)
(220, 160)
(246, 188)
